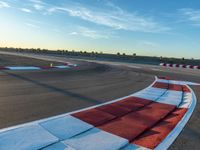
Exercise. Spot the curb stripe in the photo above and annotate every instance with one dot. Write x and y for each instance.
(155, 135)
(131, 122)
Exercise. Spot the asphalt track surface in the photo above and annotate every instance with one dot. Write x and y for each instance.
(31, 95)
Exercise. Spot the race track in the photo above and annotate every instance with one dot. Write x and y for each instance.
(31, 95)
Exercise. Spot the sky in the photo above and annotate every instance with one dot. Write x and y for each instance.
(146, 27)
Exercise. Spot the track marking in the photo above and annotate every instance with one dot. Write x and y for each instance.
(122, 123)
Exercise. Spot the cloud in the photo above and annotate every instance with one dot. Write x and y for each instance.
(38, 7)
(74, 33)
(32, 25)
(38, 4)
(4, 5)
(113, 17)
(86, 32)
(26, 10)
(191, 15)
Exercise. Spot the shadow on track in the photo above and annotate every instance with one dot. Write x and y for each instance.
(54, 89)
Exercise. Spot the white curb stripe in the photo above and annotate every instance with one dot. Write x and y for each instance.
(96, 139)
(26, 138)
(58, 146)
(65, 127)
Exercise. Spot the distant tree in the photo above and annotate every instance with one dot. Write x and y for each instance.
(118, 53)
(124, 54)
(134, 54)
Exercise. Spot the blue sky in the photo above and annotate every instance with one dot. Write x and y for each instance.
(146, 27)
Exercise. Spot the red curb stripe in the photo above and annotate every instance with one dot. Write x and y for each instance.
(174, 87)
(153, 137)
(133, 103)
(94, 117)
(185, 88)
(133, 124)
(161, 85)
(114, 109)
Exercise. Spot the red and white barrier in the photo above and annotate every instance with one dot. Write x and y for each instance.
(179, 66)
(149, 119)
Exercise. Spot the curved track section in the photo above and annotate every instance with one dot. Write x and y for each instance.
(149, 119)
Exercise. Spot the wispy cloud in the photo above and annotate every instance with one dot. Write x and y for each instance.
(87, 32)
(32, 25)
(115, 18)
(191, 15)
(26, 10)
(38, 7)
(38, 4)
(4, 4)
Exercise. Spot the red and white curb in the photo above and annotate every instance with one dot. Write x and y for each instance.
(179, 66)
(22, 68)
(149, 119)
